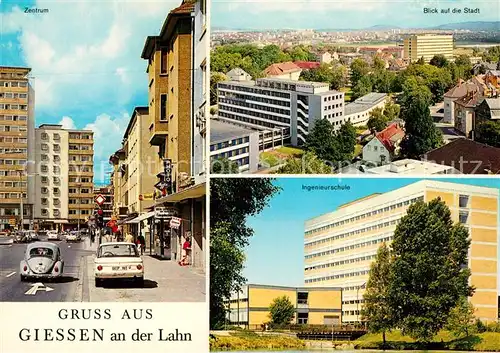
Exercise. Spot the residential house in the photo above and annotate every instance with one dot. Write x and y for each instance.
(459, 91)
(396, 52)
(488, 110)
(238, 74)
(465, 120)
(369, 51)
(385, 146)
(307, 65)
(467, 156)
(287, 70)
(492, 77)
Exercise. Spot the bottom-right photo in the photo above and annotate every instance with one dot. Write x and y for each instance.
(316, 264)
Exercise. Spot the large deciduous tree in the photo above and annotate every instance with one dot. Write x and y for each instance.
(231, 202)
(488, 132)
(377, 310)
(281, 311)
(429, 274)
(359, 68)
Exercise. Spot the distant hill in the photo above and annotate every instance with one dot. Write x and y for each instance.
(475, 26)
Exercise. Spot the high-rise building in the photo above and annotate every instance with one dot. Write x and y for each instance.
(284, 110)
(340, 246)
(64, 178)
(427, 46)
(16, 147)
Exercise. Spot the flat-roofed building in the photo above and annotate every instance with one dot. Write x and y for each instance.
(65, 177)
(17, 129)
(340, 246)
(287, 108)
(314, 306)
(427, 46)
(235, 143)
(358, 112)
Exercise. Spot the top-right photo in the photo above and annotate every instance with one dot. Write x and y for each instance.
(355, 87)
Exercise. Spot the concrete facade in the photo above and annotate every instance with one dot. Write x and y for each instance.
(427, 46)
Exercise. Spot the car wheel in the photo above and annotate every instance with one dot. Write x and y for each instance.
(98, 282)
(139, 281)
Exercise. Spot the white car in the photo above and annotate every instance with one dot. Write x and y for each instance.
(118, 260)
(52, 235)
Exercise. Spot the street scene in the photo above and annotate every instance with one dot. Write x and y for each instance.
(100, 199)
(162, 280)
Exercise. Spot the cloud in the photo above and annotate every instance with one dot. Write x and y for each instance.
(76, 49)
(67, 123)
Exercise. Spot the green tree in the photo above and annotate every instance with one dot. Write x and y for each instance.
(391, 110)
(439, 61)
(359, 68)
(308, 163)
(377, 120)
(378, 64)
(281, 311)
(429, 273)
(232, 200)
(299, 53)
(362, 87)
(346, 141)
(215, 78)
(224, 166)
(488, 132)
(336, 76)
(421, 133)
(321, 141)
(462, 319)
(420, 61)
(377, 310)
(463, 60)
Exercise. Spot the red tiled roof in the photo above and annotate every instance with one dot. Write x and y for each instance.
(468, 156)
(392, 49)
(187, 7)
(470, 100)
(461, 89)
(281, 68)
(307, 65)
(390, 135)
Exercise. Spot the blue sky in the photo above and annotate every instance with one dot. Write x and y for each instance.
(86, 62)
(275, 254)
(343, 14)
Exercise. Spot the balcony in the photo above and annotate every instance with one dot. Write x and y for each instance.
(78, 173)
(80, 152)
(77, 184)
(81, 141)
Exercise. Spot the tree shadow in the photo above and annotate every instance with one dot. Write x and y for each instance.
(62, 279)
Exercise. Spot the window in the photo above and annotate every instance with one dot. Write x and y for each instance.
(57, 202)
(45, 157)
(45, 147)
(56, 180)
(85, 191)
(57, 137)
(44, 168)
(56, 169)
(57, 148)
(463, 217)
(302, 297)
(56, 212)
(45, 179)
(45, 136)
(72, 191)
(45, 190)
(463, 200)
(164, 60)
(57, 159)
(163, 107)
(45, 201)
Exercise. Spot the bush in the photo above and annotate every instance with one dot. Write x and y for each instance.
(245, 343)
(480, 326)
(493, 327)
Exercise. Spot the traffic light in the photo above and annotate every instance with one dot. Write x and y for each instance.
(99, 217)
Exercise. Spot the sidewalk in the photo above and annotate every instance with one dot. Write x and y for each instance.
(164, 281)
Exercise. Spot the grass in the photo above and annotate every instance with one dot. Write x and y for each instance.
(444, 340)
(279, 155)
(358, 149)
(247, 340)
(347, 93)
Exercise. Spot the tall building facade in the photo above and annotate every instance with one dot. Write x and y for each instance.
(107, 206)
(427, 46)
(285, 109)
(64, 179)
(340, 246)
(17, 128)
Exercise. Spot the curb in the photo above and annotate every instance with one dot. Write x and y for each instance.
(79, 286)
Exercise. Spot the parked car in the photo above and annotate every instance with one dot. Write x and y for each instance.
(53, 235)
(118, 260)
(42, 260)
(73, 237)
(21, 237)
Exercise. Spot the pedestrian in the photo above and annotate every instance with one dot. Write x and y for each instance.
(129, 238)
(142, 243)
(187, 252)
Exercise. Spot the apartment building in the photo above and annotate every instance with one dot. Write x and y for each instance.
(64, 179)
(340, 246)
(249, 308)
(284, 110)
(136, 166)
(235, 143)
(17, 128)
(427, 46)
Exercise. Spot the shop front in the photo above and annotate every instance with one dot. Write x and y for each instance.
(181, 217)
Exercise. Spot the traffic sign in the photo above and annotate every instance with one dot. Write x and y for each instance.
(161, 185)
(100, 199)
(175, 222)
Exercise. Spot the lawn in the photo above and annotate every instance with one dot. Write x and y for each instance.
(279, 155)
(487, 341)
(358, 149)
(347, 93)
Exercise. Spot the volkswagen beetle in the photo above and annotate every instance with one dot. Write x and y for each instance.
(42, 260)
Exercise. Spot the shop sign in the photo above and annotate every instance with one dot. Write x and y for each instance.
(164, 212)
(175, 222)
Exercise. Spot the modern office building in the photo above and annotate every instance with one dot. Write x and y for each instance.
(17, 129)
(358, 112)
(340, 246)
(426, 46)
(314, 306)
(284, 109)
(64, 179)
(235, 143)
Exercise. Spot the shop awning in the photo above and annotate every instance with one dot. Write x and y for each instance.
(142, 217)
(193, 192)
(126, 220)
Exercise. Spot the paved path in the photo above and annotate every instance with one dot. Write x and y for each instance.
(164, 281)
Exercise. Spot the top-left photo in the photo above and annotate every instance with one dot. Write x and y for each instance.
(103, 112)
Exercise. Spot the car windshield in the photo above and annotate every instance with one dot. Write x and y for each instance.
(118, 250)
(42, 252)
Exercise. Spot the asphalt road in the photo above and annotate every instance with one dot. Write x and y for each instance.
(64, 289)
